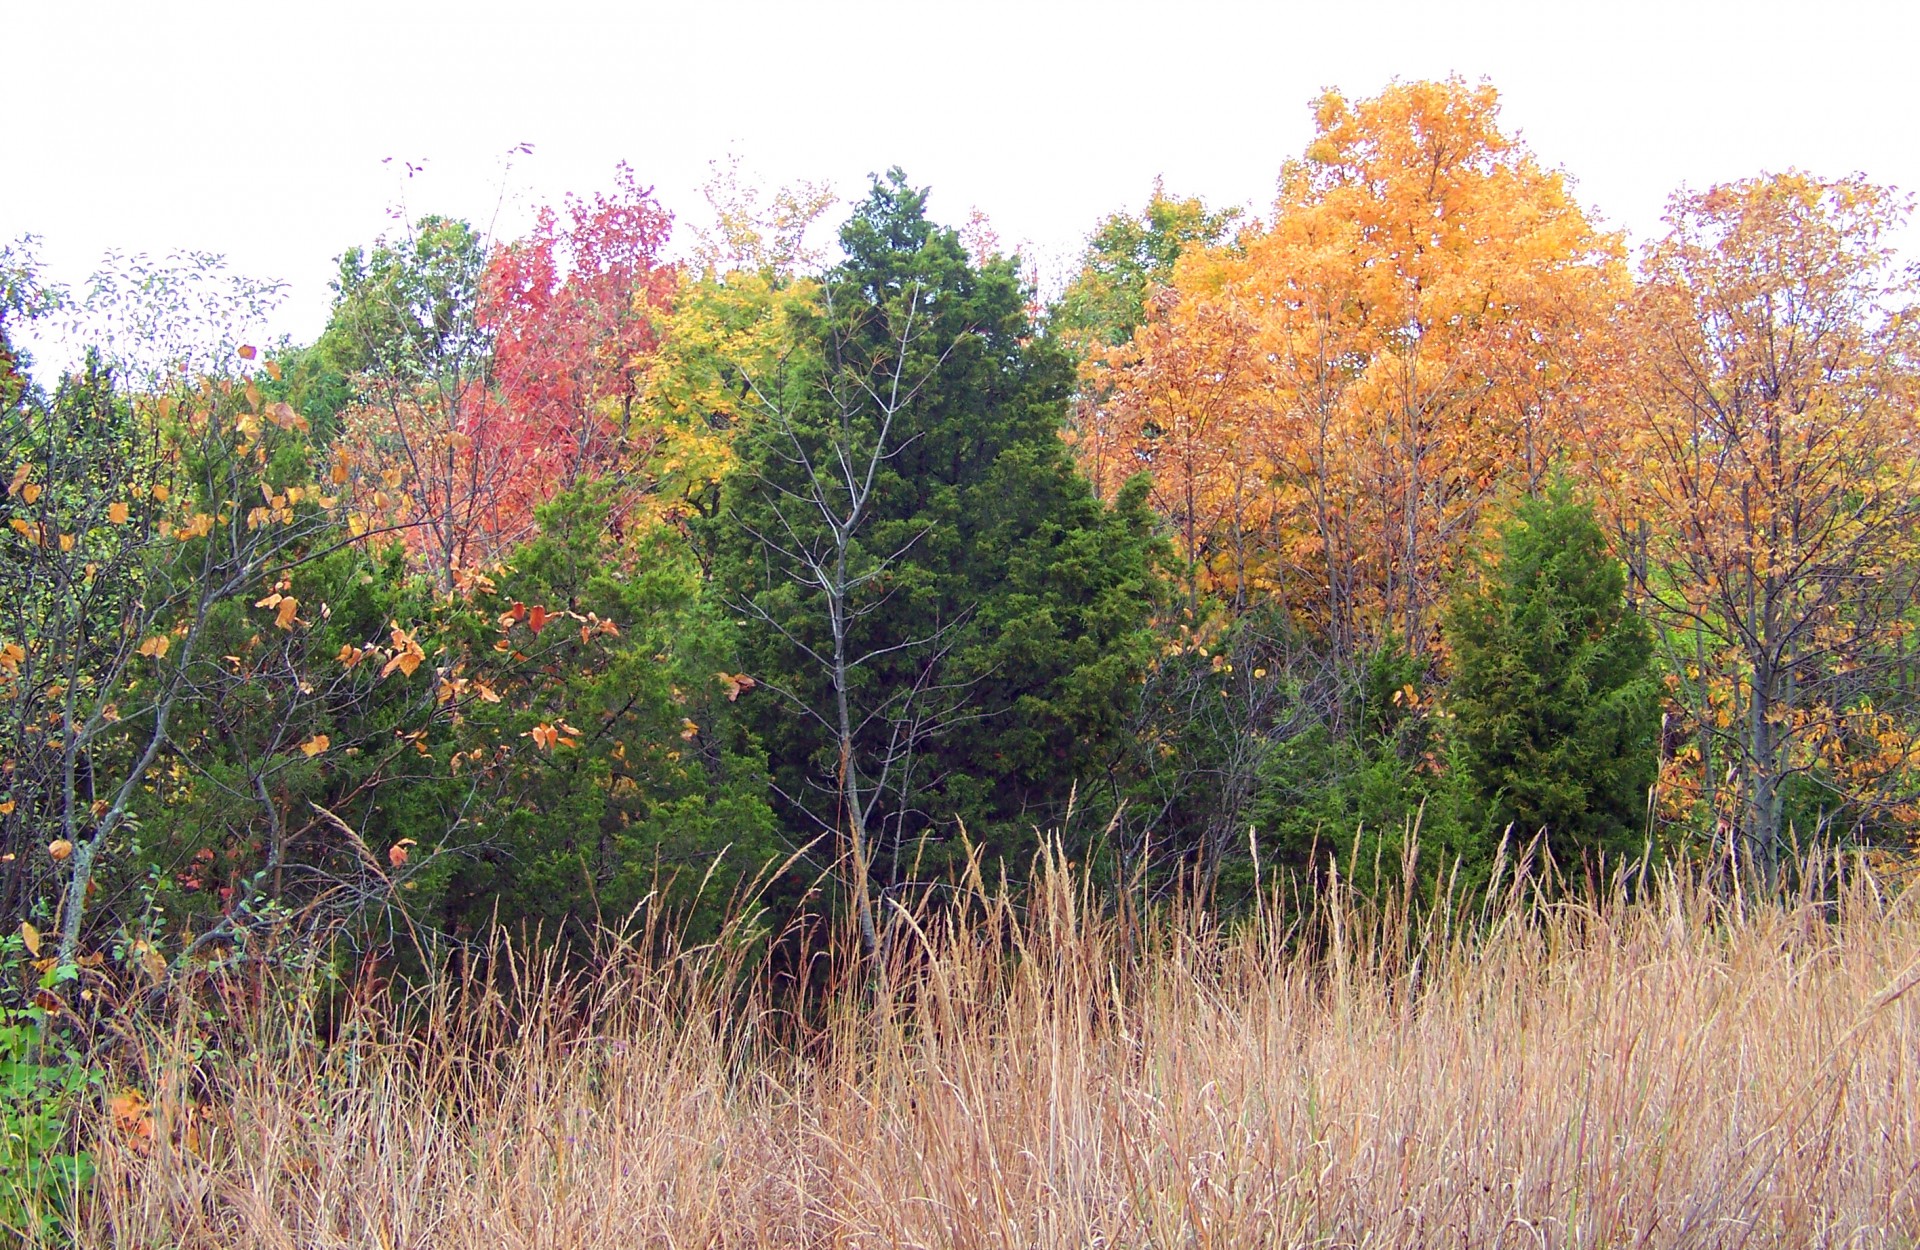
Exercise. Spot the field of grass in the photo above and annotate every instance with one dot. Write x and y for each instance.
(1682, 1068)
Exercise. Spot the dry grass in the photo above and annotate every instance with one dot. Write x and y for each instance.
(1679, 1070)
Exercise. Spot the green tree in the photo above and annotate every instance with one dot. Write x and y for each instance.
(630, 767)
(404, 314)
(1126, 258)
(1554, 706)
(955, 623)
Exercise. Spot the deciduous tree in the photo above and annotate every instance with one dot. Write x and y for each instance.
(1766, 462)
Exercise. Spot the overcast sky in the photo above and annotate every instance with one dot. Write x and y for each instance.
(259, 130)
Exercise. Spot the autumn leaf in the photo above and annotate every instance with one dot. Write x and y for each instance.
(687, 728)
(284, 616)
(397, 853)
(19, 478)
(407, 656)
(315, 745)
(544, 736)
(31, 936)
(30, 492)
(536, 619)
(117, 512)
(132, 1115)
(155, 647)
(736, 684)
(247, 352)
(59, 848)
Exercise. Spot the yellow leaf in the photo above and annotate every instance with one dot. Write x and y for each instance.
(19, 478)
(284, 617)
(117, 512)
(66, 542)
(161, 491)
(30, 492)
(315, 745)
(6, 807)
(155, 646)
(59, 848)
(31, 936)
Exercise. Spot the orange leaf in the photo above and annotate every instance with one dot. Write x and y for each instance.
(284, 617)
(247, 352)
(117, 512)
(59, 848)
(156, 646)
(397, 853)
(315, 745)
(537, 619)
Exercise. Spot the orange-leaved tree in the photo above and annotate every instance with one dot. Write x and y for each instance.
(1366, 371)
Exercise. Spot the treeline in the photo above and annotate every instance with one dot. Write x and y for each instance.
(556, 578)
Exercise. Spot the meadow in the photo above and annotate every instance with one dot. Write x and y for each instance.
(1674, 1065)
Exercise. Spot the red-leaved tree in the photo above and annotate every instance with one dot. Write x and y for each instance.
(574, 311)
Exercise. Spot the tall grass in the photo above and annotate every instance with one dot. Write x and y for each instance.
(1678, 1067)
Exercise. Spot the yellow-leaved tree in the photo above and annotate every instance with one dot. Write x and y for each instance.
(1764, 455)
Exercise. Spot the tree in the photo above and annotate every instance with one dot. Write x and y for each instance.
(573, 315)
(1554, 707)
(630, 771)
(1127, 259)
(1763, 462)
(1128, 263)
(1362, 374)
(424, 448)
(130, 522)
(955, 622)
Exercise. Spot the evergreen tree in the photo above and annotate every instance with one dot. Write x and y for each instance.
(956, 623)
(1554, 705)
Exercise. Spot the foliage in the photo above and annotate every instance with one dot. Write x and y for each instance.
(573, 315)
(1327, 406)
(632, 774)
(1762, 460)
(131, 523)
(1552, 704)
(954, 622)
(42, 1086)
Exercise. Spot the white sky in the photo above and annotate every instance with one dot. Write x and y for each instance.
(258, 130)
